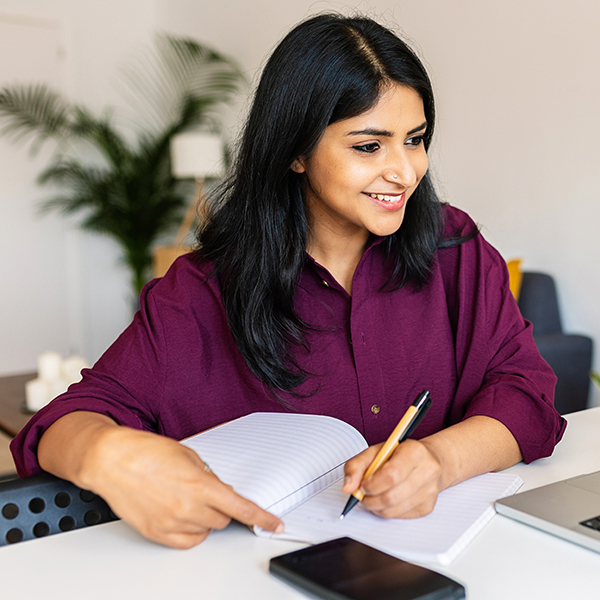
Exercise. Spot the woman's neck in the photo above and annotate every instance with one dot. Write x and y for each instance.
(340, 257)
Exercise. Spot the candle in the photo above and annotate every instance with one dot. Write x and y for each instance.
(49, 366)
(72, 367)
(37, 394)
(55, 375)
(57, 387)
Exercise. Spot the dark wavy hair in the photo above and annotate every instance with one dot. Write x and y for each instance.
(328, 68)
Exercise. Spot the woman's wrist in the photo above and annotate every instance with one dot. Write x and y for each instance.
(443, 452)
(477, 445)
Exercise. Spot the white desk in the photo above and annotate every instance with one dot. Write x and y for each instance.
(506, 561)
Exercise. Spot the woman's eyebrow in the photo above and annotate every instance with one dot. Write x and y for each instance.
(371, 131)
(419, 128)
(385, 132)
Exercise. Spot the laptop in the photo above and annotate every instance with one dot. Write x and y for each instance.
(569, 509)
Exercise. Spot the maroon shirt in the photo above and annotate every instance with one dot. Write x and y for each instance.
(177, 371)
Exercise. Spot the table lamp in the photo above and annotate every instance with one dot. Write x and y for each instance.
(194, 155)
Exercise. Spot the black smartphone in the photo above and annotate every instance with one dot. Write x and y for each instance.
(344, 569)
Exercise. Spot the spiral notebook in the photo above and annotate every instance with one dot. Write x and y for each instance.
(292, 465)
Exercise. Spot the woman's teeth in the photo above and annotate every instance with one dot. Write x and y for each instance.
(384, 197)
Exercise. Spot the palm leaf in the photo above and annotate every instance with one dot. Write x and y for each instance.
(36, 111)
(103, 136)
(176, 70)
(131, 195)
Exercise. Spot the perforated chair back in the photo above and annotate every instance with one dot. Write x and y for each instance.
(34, 507)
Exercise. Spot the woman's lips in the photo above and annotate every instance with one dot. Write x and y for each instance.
(387, 201)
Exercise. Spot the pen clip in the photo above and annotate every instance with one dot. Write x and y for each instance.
(418, 418)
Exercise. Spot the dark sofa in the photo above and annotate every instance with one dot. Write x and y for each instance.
(569, 355)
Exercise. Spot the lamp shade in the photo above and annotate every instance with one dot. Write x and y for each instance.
(196, 155)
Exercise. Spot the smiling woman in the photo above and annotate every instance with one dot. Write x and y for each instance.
(328, 279)
(360, 177)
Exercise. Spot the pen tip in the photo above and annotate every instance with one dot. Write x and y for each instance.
(352, 502)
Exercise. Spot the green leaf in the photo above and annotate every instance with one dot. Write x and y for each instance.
(119, 188)
(34, 111)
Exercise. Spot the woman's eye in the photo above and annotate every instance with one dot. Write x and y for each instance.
(416, 140)
(368, 148)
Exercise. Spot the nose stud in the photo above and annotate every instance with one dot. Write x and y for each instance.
(395, 176)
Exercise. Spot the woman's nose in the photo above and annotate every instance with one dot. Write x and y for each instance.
(401, 171)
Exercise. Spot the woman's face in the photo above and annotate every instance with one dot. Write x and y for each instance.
(364, 169)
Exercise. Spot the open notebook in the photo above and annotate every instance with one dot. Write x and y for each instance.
(293, 465)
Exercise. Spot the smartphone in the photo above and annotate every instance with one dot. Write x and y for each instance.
(344, 569)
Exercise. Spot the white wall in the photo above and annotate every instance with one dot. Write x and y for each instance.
(518, 86)
(34, 301)
(61, 289)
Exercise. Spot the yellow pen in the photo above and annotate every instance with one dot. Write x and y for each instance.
(416, 411)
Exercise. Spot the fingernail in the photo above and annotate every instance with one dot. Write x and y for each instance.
(280, 528)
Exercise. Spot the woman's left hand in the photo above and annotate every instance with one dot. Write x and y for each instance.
(406, 486)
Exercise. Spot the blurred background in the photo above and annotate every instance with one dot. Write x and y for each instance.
(518, 90)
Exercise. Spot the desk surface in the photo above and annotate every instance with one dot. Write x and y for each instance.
(12, 399)
(507, 560)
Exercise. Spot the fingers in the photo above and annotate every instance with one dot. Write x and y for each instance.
(406, 486)
(356, 467)
(166, 492)
(205, 505)
(410, 463)
(195, 511)
(415, 497)
(226, 502)
(245, 511)
(182, 541)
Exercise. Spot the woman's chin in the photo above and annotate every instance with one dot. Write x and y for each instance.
(385, 229)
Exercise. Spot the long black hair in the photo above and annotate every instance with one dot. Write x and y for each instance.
(328, 68)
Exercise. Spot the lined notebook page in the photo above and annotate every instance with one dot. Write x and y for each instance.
(461, 513)
(278, 459)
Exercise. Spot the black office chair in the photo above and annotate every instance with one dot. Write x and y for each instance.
(33, 507)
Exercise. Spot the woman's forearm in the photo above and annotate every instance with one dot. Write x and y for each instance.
(69, 446)
(474, 446)
(157, 485)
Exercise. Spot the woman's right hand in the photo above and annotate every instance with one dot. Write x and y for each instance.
(153, 483)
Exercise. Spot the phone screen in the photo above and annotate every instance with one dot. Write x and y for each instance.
(344, 569)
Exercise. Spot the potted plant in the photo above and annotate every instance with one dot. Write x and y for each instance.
(124, 188)
(595, 377)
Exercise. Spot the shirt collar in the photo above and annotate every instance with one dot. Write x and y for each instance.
(323, 276)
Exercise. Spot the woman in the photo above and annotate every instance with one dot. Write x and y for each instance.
(329, 280)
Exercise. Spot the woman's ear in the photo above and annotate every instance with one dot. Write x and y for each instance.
(298, 166)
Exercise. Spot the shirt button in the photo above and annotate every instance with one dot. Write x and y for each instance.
(325, 283)
(375, 408)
